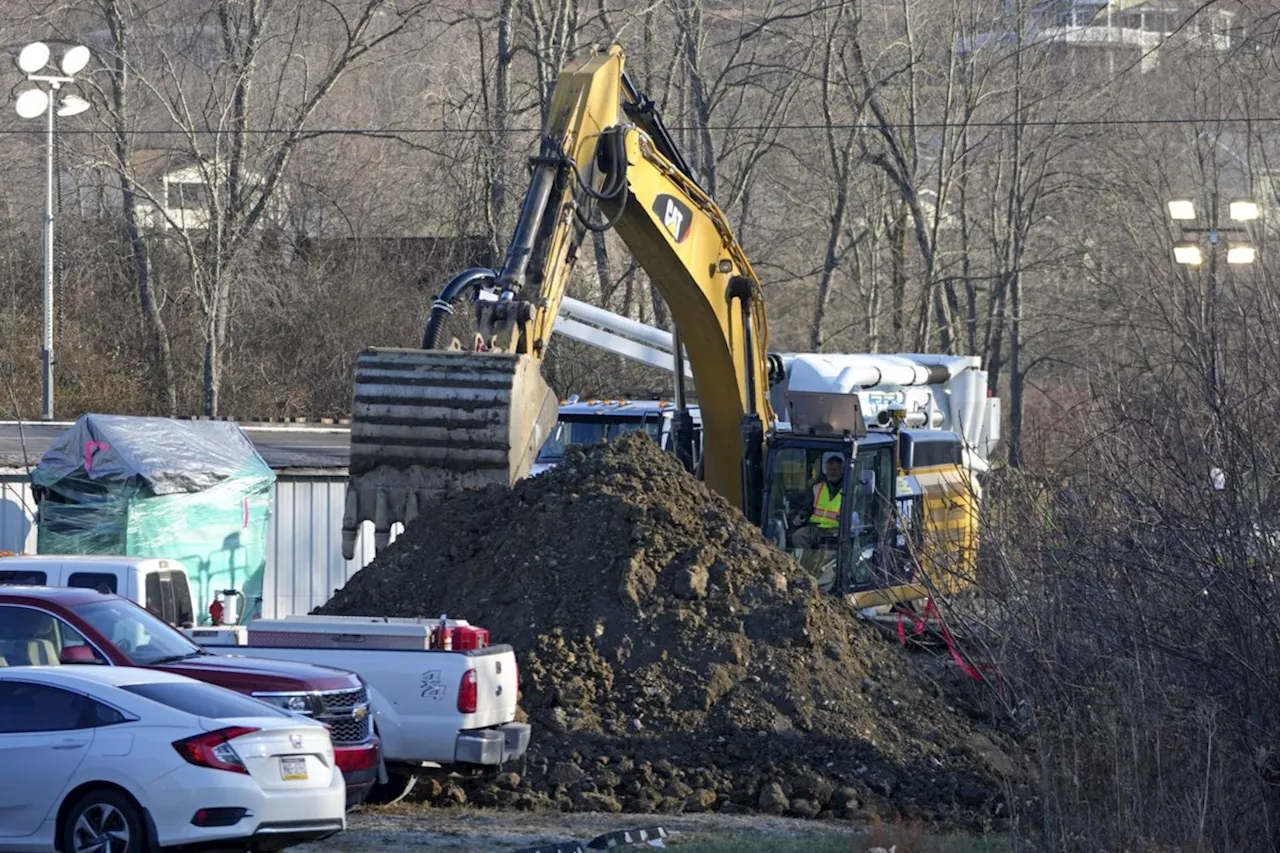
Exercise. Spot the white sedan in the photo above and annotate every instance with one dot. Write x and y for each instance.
(123, 760)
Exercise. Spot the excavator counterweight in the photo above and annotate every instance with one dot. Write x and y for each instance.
(428, 420)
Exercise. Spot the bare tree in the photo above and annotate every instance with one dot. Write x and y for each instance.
(239, 84)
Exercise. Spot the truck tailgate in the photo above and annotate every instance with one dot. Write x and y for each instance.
(414, 694)
(497, 687)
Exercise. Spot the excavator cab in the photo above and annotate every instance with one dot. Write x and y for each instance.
(845, 558)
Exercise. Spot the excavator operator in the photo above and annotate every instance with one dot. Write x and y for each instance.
(824, 510)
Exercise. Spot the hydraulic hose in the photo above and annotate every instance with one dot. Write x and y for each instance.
(442, 308)
(614, 160)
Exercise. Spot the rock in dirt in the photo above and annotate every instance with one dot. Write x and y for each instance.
(691, 583)
(773, 800)
(662, 639)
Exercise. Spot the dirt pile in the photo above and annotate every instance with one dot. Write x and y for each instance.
(674, 661)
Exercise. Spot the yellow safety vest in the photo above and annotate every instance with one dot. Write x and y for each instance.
(826, 509)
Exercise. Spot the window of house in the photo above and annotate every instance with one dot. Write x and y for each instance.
(187, 195)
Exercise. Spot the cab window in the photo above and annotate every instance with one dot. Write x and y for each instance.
(101, 581)
(23, 577)
(168, 597)
(570, 433)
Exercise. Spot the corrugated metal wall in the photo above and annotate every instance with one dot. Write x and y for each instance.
(304, 542)
(17, 509)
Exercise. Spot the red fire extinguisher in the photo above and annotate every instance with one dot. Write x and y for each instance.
(216, 610)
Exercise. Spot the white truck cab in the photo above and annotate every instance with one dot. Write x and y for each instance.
(159, 585)
(583, 422)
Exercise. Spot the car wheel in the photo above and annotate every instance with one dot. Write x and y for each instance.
(399, 785)
(103, 821)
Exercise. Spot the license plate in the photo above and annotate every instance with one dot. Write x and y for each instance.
(293, 768)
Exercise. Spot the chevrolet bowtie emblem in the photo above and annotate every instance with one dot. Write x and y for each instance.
(361, 712)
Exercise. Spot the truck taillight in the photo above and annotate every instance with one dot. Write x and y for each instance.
(468, 693)
(212, 749)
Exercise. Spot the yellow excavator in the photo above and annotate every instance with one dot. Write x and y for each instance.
(470, 407)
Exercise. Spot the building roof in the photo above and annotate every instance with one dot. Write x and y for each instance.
(148, 165)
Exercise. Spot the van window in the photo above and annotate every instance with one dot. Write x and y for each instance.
(168, 597)
(101, 581)
(21, 577)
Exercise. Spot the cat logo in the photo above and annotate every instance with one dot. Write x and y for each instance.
(675, 215)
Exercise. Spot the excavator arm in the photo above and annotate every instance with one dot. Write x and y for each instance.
(470, 406)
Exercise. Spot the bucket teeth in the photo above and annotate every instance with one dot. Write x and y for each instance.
(425, 421)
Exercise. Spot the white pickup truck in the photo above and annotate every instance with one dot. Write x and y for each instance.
(432, 707)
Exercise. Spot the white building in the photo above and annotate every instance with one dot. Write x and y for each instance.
(1118, 32)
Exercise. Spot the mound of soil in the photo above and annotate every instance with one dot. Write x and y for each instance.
(672, 660)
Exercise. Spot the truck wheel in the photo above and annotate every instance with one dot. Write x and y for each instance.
(399, 784)
(103, 821)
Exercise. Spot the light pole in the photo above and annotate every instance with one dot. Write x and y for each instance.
(1239, 252)
(34, 62)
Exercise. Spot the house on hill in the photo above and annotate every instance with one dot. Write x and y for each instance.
(174, 190)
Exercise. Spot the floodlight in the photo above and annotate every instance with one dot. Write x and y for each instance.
(1244, 211)
(1189, 255)
(74, 60)
(1182, 209)
(32, 103)
(72, 105)
(33, 57)
(1240, 254)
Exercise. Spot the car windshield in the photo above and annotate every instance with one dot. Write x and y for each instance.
(205, 700)
(141, 637)
(570, 433)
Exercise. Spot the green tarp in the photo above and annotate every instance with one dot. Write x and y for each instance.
(193, 491)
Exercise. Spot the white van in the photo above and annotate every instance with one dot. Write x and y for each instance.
(158, 585)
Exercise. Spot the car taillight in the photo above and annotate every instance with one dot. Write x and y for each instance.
(468, 693)
(212, 749)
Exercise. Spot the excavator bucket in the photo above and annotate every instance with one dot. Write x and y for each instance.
(425, 421)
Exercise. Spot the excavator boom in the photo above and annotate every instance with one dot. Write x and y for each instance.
(471, 407)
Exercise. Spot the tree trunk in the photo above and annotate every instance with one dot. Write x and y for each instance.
(212, 375)
(1017, 375)
(898, 274)
(966, 245)
(690, 23)
(499, 141)
(818, 329)
(603, 273)
(161, 354)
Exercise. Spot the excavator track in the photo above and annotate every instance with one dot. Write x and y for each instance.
(426, 421)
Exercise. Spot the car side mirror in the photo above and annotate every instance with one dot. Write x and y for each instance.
(78, 654)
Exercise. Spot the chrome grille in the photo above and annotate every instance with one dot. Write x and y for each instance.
(338, 711)
(349, 730)
(343, 700)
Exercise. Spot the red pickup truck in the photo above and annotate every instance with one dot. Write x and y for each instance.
(55, 625)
